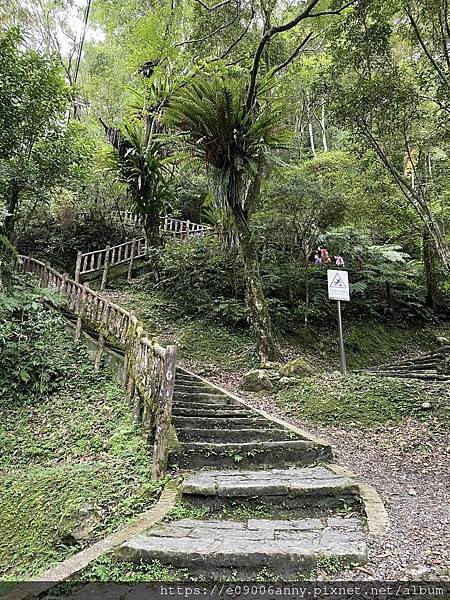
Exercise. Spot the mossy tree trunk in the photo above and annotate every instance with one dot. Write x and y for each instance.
(265, 343)
(151, 224)
(11, 208)
(429, 264)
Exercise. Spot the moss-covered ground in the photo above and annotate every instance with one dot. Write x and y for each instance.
(358, 400)
(364, 401)
(69, 455)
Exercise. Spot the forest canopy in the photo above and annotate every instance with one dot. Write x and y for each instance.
(285, 127)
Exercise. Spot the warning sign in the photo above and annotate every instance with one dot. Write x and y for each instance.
(338, 288)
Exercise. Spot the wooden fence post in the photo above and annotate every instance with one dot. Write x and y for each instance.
(81, 309)
(63, 285)
(105, 269)
(101, 339)
(78, 266)
(45, 274)
(126, 357)
(130, 266)
(164, 413)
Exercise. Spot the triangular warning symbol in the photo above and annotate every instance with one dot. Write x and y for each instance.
(337, 282)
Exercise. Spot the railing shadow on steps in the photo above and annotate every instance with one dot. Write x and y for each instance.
(128, 252)
(149, 373)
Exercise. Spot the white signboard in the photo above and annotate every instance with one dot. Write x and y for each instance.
(338, 288)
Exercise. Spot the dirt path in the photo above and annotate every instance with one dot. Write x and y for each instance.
(409, 467)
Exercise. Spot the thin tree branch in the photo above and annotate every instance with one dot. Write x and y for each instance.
(430, 57)
(209, 35)
(293, 56)
(215, 7)
(305, 14)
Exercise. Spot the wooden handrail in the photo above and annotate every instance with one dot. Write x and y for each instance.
(131, 250)
(149, 367)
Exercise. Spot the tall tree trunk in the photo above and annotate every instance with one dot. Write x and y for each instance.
(265, 343)
(11, 208)
(429, 265)
(323, 126)
(151, 224)
(311, 139)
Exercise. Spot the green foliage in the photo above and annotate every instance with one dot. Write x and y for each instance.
(383, 278)
(8, 256)
(363, 401)
(33, 97)
(218, 129)
(37, 82)
(55, 234)
(141, 161)
(203, 278)
(67, 442)
(26, 325)
(107, 568)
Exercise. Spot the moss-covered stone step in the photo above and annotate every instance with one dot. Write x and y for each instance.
(248, 455)
(199, 396)
(216, 423)
(201, 412)
(193, 388)
(209, 405)
(217, 548)
(287, 487)
(231, 435)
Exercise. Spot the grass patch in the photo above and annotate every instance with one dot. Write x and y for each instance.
(107, 568)
(184, 510)
(207, 343)
(68, 454)
(364, 400)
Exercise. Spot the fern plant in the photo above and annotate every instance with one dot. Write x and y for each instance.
(233, 142)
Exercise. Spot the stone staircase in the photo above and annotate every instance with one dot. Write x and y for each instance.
(431, 366)
(270, 503)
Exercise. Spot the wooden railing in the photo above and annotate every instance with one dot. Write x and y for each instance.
(149, 369)
(101, 260)
(128, 252)
(175, 227)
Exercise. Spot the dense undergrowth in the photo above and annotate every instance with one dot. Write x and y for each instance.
(69, 455)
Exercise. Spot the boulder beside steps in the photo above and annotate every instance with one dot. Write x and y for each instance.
(243, 462)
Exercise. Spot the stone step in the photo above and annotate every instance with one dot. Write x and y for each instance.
(197, 396)
(218, 422)
(217, 549)
(248, 455)
(200, 412)
(425, 376)
(290, 488)
(186, 403)
(194, 388)
(232, 435)
(187, 380)
(209, 405)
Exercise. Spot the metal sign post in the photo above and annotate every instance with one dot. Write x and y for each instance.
(341, 340)
(338, 289)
